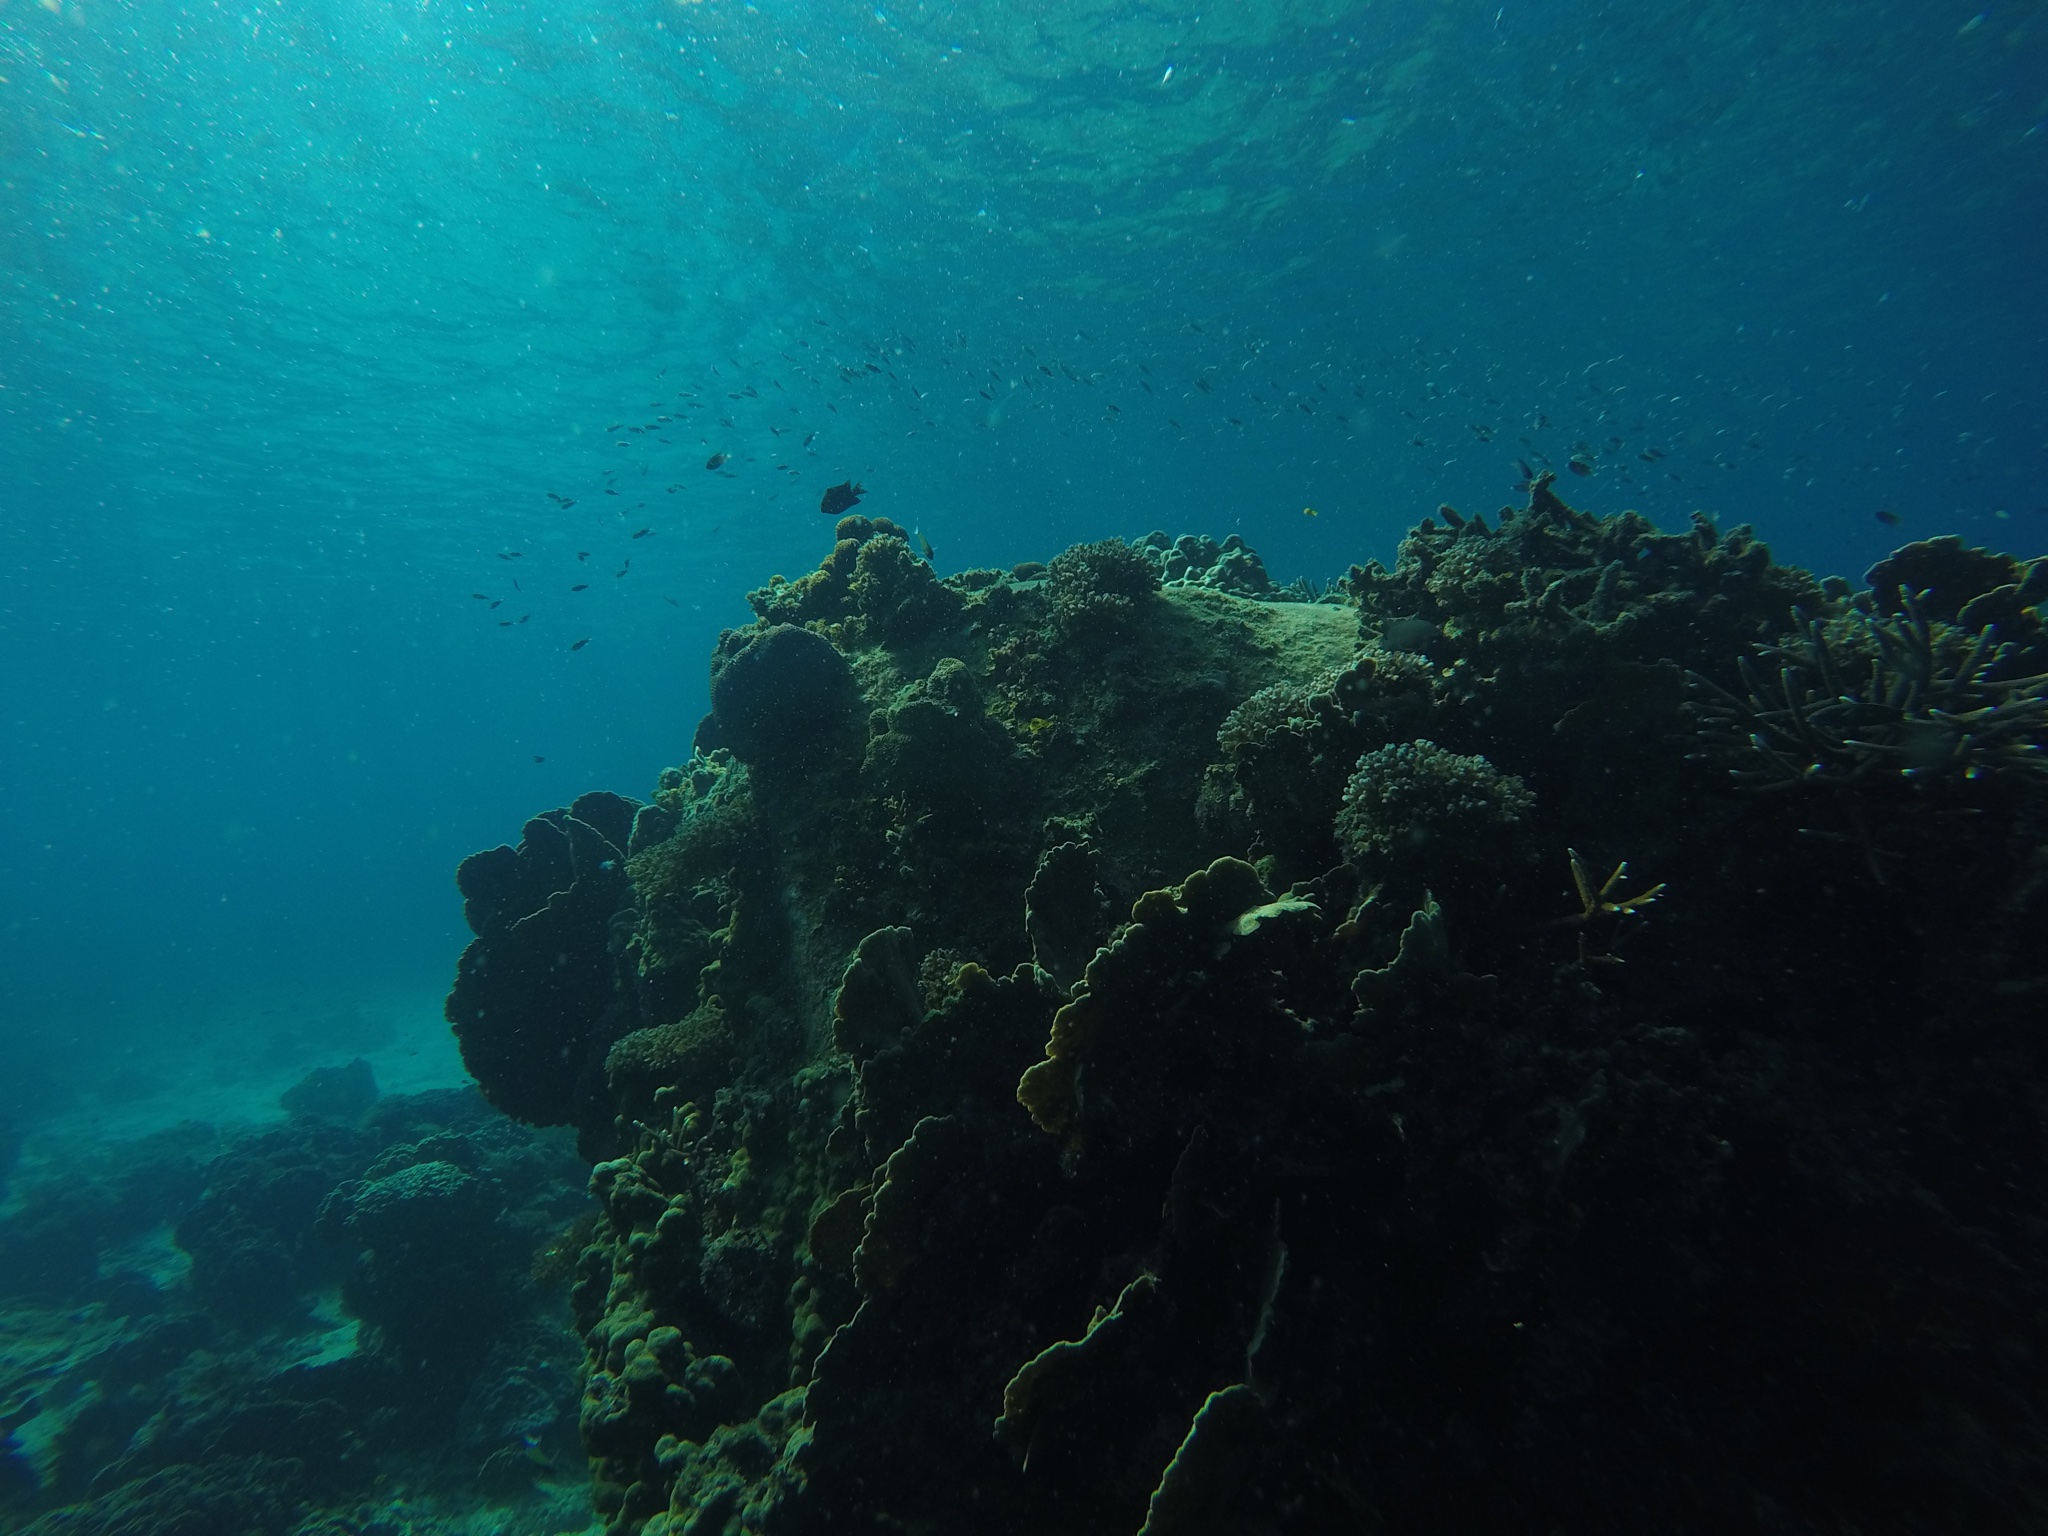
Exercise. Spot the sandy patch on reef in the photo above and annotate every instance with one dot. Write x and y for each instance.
(228, 1067)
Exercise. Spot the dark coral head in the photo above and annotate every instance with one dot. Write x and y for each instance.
(783, 692)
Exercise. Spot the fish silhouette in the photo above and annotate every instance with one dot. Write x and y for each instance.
(838, 498)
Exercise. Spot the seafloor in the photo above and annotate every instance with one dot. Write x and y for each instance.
(1547, 1037)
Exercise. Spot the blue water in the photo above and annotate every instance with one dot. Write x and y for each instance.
(306, 307)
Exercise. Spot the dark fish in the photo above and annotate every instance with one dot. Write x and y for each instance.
(498, 604)
(509, 555)
(582, 554)
(624, 568)
(538, 758)
(925, 545)
(609, 491)
(643, 533)
(1888, 517)
(838, 498)
(1579, 464)
(671, 601)
(504, 623)
(524, 617)
(553, 497)
(516, 587)
(1528, 474)
(810, 438)
(482, 597)
(580, 643)
(716, 460)
(568, 501)
(581, 586)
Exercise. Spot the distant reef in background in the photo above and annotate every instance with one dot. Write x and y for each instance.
(1544, 1037)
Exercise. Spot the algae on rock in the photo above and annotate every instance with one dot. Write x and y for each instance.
(1129, 1044)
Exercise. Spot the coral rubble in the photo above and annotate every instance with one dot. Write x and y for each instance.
(1111, 1046)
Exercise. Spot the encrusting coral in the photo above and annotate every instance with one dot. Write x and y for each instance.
(1119, 1050)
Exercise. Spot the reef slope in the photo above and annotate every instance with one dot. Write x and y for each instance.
(1543, 1037)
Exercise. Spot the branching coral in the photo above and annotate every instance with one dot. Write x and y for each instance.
(1099, 589)
(1414, 795)
(1861, 699)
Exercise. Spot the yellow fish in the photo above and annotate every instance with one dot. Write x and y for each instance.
(1037, 723)
(1308, 512)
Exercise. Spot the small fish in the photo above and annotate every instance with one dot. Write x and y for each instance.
(716, 460)
(643, 533)
(1037, 723)
(581, 586)
(509, 555)
(1579, 464)
(1528, 474)
(504, 623)
(524, 617)
(624, 568)
(516, 587)
(553, 497)
(609, 491)
(498, 604)
(582, 554)
(925, 545)
(482, 597)
(615, 426)
(810, 438)
(671, 601)
(1310, 512)
(839, 498)
(580, 643)
(538, 758)
(1888, 517)
(568, 501)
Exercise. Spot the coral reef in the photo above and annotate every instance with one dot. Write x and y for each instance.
(778, 697)
(1901, 695)
(1099, 590)
(534, 1003)
(1186, 1064)
(1198, 560)
(1417, 816)
(316, 1327)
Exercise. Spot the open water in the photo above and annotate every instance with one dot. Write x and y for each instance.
(397, 397)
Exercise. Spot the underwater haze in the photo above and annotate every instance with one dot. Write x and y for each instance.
(398, 398)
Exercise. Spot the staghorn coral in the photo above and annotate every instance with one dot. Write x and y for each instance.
(1860, 700)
